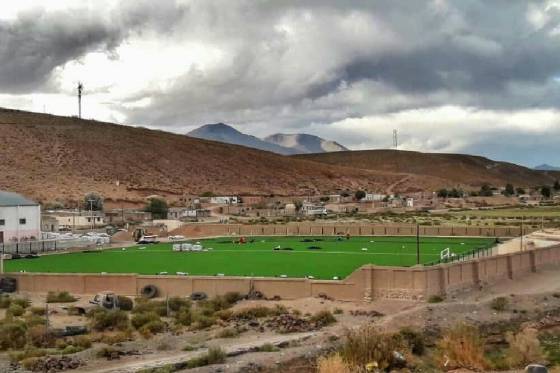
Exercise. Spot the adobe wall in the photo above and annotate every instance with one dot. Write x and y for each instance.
(200, 230)
(366, 283)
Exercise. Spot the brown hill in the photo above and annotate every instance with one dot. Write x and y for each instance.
(446, 169)
(49, 158)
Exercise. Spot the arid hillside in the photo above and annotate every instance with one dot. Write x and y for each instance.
(454, 169)
(51, 158)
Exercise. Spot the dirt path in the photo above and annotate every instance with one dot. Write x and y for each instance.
(235, 348)
(390, 188)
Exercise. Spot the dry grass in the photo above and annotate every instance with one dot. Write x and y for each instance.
(332, 364)
(462, 347)
(524, 348)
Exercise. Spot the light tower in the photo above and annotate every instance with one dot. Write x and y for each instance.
(80, 89)
(395, 139)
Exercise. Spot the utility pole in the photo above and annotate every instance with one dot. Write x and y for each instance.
(395, 139)
(417, 243)
(521, 238)
(91, 211)
(80, 89)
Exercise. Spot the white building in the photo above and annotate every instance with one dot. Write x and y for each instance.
(225, 200)
(410, 202)
(20, 218)
(311, 209)
(374, 197)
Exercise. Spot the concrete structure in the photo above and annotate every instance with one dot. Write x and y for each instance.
(72, 220)
(364, 284)
(374, 197)
(179, 213)
(313, 209)
(20, 218)
(224, 200)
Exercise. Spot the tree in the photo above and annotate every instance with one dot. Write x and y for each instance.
(158, 208)
(443, 193)
(93, 201)
(360, 194)
(298, 205)
(485, 191)
(546, 192)
(520, 191)
(208, 194)
(509, 191)
(345, 194)
(556, 186)
(325, 199)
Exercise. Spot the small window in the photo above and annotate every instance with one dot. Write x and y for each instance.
(2, 222)
(22, 221)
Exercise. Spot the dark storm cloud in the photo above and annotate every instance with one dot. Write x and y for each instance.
(38, 41)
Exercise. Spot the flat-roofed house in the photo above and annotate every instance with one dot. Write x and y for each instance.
(20, 218)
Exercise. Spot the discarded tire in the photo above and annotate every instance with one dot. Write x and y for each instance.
(149, 291)
(8, 284)
(199, 295)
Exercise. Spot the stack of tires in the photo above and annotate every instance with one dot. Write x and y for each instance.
(8, 285)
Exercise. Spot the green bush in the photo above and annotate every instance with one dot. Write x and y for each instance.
(499, 304)
(38, 311)
(5, 301)
(215, 355)
(12, 335)
(60, 297)
(323, 318)
(227, 333)
(201, 321)
(144, 306)
(268, 347)
(141, 319)
(102, 319)
(435, 299)
(184, 317)
(39, 336)
(176, 304)
(152, 327)
(15, 310)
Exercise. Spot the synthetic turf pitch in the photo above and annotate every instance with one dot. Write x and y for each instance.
(330, 257)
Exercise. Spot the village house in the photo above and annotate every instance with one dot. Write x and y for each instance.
(20, 218)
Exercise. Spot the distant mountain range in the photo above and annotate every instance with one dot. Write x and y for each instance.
(286, 144)
(547, 167)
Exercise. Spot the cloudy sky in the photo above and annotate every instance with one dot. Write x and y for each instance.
(472, 76)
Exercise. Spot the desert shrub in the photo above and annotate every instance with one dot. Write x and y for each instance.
(143, 306)
(112, 339)
(332, 364)
(22, 302)
(184, 317)
(177, 303)
(107, 352)
(268, 347)
(38, 311)
(74, 311)
(227, 333)
(201, 321)
(232, 297)
(12, 335)
(141, 319)
(5, 301)
(435, 299)
(224, 314)
(32, 364)
(60, 297)
(125, 303)
(102, 319)
(257, 312)
(366, 345)
(414, 340)
(462, 347)
(151, 328)
(34, 320)
(71, 349)
(338, 311)
(499, 304)
(215, 355)
(39, 336)
(27, 353)
(15, 310)
(82, 341)
(323, 318)
(524, 348)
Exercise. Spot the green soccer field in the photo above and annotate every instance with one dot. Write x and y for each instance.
(330, 257)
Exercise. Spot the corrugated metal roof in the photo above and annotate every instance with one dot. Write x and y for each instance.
(14, 199)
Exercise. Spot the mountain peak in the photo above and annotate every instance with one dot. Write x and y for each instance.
(546, 167)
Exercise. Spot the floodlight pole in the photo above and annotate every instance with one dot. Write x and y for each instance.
(417, 243)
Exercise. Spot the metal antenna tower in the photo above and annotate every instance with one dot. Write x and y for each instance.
(80, 89)
(395, 139)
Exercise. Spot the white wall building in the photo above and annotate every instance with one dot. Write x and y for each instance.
(373, 197)
(20, 218)
(311, 209)
(225, 200)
